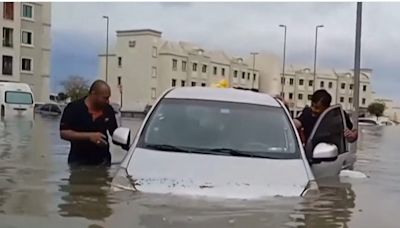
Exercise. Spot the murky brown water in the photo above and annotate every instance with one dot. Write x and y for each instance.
(37, 189)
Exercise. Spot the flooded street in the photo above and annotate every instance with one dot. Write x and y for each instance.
(37, 189)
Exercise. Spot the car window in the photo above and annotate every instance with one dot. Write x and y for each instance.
(17, 97)
(367, 121)
(329, 129)
(45, 107)
(55, 108)
(199, 124)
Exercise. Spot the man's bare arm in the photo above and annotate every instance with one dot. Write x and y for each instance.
(297, 123)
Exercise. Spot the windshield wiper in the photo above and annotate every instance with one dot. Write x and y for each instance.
(241, 153)
(166, 147)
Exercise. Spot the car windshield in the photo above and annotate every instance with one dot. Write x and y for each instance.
(16, 97)
(224, 128)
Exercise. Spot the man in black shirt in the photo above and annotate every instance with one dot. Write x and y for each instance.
(85, 124)
(320, 101)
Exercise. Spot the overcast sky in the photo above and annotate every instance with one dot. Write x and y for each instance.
(78, 33)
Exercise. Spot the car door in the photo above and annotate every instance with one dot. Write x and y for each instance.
(329, 129)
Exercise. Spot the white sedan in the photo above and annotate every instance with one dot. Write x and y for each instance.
(227, 143)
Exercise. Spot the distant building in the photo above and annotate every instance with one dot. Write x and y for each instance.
(298, 85)
(145, 66)
(392, 109)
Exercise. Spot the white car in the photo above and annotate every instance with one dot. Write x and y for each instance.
(227, 143)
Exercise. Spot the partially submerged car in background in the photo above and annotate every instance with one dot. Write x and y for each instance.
(228, 143)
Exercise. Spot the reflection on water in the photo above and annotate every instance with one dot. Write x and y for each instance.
(86, 193)
(38, 189)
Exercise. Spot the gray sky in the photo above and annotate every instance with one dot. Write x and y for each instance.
(237, 28)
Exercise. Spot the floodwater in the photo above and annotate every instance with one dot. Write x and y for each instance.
(37, 189)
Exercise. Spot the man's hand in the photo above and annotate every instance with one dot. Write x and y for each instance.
(98, 138)
(351, 135)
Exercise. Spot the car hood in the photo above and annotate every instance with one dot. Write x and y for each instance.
(216, 175)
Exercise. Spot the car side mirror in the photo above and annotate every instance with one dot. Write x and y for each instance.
(325, 152)
(122, 137)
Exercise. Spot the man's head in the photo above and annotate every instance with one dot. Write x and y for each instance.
(99, 93)
(320, 101)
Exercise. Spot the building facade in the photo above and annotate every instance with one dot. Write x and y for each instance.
(143, 65)
(26, 45)
(298, 87)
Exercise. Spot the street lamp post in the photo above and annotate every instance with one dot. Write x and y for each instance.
(254, 63)
(108, 20)
(284, 57)
(315, 54)
(357, 56)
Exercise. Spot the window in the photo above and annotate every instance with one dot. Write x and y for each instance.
(223, 71)
(215, 70)
(7, 65)
(310, 83)
(119, 61)
(194, 66)
(282, 80)
(8, 10)
(193, 83)
(341, 99)
(7, 37)
(351, 86)
(27, 38)
(343, 86)
(243, 75)
(183, 65)
(322, 84)
(154, 72)
(27, 11)
(224, 128)
(132, 43)
(350, 100)
(183, 83)
(173, 82)
(363, 101)
(300, 96)
(119, 80)
(301, 82)
(290, 95)
(248, 76)
(174, 64)
(26, 64)
(154, 52)
(291, 81)
(330, 85)
(204, 69)
(235, 74)
(364, 88)
(254, 77)
(153, 93)
(14, 97)
(309, 97)
(203, 84)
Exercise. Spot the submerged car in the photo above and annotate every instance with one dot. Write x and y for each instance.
(228, 143)
(49, 109)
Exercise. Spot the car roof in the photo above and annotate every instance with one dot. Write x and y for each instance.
(222, 94)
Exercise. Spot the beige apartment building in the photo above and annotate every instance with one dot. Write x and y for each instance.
(26, 45)
(298, 87)
(145, 66)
